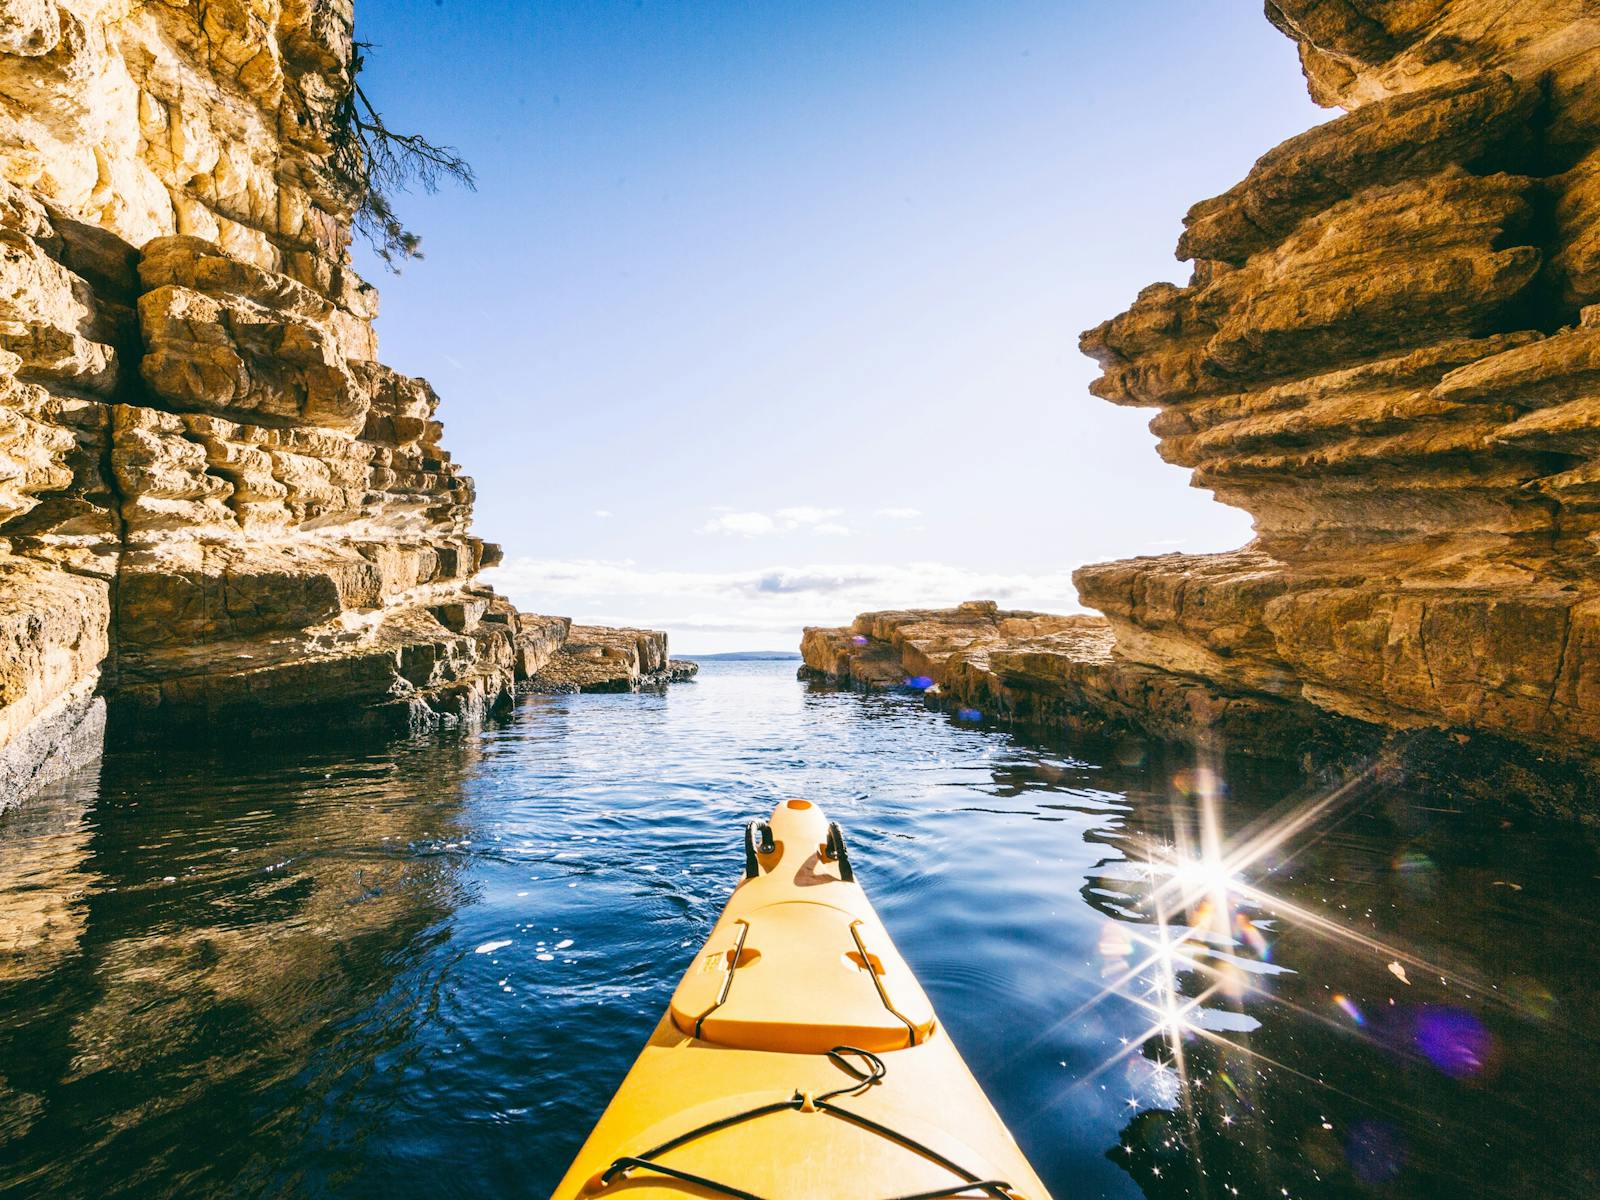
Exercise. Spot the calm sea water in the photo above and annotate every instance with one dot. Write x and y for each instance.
(421, 970)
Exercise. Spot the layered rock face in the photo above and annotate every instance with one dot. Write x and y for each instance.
(290, 527)
(216, 505)
(1043, 669)
(1389, 354)
(600, 658)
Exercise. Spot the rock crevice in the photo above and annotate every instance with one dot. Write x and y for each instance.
(217, 508)
(1386, 354)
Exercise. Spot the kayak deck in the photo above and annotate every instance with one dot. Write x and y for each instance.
(799, 1058)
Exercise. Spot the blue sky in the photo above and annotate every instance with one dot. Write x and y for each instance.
(767, 313)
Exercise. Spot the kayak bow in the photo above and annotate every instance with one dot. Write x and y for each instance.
(799, 1058)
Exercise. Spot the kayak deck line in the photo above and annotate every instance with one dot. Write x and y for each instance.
(967, 1184)
(877, 981)
(727, 980)
(797, 982)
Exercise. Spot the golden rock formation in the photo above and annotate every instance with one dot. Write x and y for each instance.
(599, 658)
(216, 506)
(1035, 668)
(1386, 355)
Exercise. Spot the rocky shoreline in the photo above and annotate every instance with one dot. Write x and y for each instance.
(218, 511)
(1047, 671)
(603, 658)
(1386, 354)
(1055, 674)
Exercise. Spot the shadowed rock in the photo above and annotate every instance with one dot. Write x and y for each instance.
(1387, 356)
(217, 509)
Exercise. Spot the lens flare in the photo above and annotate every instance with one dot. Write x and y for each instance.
(1416, 872)
(968, 714)
(1375, 1151)
(920, 682)
(1348, 1007)
(1454, 1041)
(1199, 940)
(1250, 934)
(1198, 781)
(1531, 997)
(1114, 941)
(1151, 1082)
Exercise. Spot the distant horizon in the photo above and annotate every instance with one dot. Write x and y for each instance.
(764, 316)
(747, 655)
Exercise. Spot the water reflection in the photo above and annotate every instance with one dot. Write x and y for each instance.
(1326, 1019)
(179, 934)
(43, 882)
(322, 970)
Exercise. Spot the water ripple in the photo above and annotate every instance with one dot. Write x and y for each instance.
(419, 970)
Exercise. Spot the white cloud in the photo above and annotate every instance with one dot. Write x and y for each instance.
(784, 520)
(899, 514)
(602, 513)
(807, 514)
(765, 607)
(746, 524)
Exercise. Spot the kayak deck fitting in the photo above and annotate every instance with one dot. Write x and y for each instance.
(799, 1058)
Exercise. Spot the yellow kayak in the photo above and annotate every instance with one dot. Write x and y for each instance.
(799, 1058)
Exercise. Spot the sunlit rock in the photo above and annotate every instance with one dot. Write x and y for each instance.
(1387, 355)
(1047, 670)
(217, 509)
(597, 658)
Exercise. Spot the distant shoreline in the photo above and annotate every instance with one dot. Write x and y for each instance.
(744, 656)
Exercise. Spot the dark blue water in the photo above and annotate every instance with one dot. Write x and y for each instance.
(419, 971)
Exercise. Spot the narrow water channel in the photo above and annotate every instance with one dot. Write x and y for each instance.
(420, 971)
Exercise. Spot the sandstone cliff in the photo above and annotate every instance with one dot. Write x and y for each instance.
(1043, 669)
(216, 505)
(1387, 354)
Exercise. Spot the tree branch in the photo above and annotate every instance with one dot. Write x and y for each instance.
(373, 163)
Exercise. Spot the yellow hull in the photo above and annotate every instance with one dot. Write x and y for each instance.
(799, 1058)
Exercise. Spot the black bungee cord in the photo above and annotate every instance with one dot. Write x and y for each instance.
(871, 1071)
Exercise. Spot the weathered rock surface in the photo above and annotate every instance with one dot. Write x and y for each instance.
(152, 119)
(53, 629)
(216, 507)
(538, 639)
(1067, 673)
(1387, 354)
(1040, 669)
(598, 658)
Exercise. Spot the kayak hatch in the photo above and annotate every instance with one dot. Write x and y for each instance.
(799, 1058)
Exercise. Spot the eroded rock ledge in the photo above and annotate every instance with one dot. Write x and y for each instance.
(1054, 674)
(1388, 354)
(602, 658)
(1044, 670)
(217, 508)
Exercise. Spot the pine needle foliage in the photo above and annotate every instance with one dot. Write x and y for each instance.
(373, 164)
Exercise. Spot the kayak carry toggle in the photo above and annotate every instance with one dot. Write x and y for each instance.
(797, 982)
